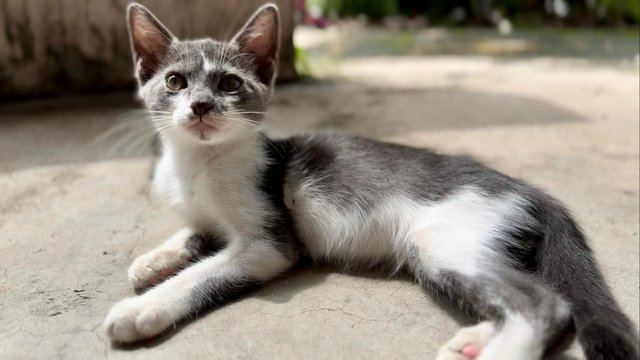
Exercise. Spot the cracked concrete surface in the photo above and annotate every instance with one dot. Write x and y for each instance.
(74, 212)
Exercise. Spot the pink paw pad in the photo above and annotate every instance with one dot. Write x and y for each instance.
(471, 351)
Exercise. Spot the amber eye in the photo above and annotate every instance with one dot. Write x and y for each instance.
(175, 82)
(230, 83)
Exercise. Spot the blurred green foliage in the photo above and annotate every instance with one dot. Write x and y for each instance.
(302, 63)
(486, 12)
(374, 9)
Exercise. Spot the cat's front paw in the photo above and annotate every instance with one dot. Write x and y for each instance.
(132, 320)
(153, 267)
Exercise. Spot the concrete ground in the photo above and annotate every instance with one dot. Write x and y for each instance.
(75, 211)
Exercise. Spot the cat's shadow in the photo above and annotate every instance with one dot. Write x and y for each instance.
(279, 290)
(284, 288)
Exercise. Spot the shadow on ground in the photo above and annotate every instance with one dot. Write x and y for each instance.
(98, 128)
(286, 287)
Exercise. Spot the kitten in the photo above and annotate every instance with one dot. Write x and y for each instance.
(498, 249)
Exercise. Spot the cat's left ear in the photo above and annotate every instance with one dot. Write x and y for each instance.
(260, 37)
(149, 40)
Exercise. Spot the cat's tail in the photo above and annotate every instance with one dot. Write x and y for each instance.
(566, 263)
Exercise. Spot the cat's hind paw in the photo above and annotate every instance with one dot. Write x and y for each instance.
(468, 342)
(130, 320)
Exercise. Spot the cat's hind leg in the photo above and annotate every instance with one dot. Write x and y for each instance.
(172, 255)
(521, 318)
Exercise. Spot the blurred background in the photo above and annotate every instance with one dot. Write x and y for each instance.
(59, 47)
(593, 29)
(544, 90)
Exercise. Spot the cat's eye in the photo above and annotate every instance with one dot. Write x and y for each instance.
(230, 83)
(175, 82)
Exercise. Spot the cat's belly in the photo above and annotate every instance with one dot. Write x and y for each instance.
(339, 237)
(349, 235)
(449, 233)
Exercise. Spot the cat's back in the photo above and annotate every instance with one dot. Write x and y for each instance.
(351, 166)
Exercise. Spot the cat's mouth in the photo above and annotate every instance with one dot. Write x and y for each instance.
(205, 125)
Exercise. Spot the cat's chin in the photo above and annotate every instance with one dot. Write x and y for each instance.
(202, 128)
(206, 137)
(205, 126)
(207, 132)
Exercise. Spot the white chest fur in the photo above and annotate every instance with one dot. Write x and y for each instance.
(214, 188)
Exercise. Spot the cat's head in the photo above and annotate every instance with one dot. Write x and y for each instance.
(205, 91)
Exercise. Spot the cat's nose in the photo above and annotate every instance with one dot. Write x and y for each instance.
(200, 108)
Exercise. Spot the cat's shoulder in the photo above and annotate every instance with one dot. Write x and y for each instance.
(336, 144)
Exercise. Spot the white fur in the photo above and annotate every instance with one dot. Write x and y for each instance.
(148, 315)
(213, 188)
(459, 233)
(182, 106)
(208, 65)
(342, 236)
(517, 338)
(165, 259)
(479, 334)
(456, 233)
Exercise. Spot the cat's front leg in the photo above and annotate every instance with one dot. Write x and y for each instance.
(210, 281)
(184, 246)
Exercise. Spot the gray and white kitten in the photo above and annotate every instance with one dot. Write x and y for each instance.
(253, 207)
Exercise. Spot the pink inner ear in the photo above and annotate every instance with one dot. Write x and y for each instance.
(261, 38)
(148, 39)
(151, 40)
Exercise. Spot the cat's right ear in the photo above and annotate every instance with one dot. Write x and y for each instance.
(149, 40)
(260, 38)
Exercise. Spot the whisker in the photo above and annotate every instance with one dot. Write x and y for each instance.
(138, 144)
(245, 112)
(237, 55)
(243, 120)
